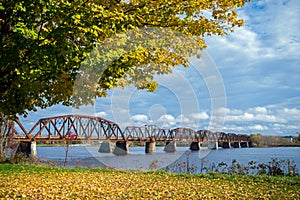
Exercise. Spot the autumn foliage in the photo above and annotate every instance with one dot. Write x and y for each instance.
(27, 182)
(43, 44)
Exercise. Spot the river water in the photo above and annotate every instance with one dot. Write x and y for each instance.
(181, 161)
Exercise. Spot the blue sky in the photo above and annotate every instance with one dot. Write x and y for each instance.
(247, 82)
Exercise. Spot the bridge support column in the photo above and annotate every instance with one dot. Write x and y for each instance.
(170, 147)
(150, 147)
(213, 145)
(244, 144)
(195, 146)
(107, 147)
(122, 148)
(226, 145)
(33, 151)
(250, 144)
(236, 145)
(28, 149)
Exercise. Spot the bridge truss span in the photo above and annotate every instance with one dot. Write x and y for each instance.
(92, 128)
(72, 127)
(82, 128)
(146, 133)
(184, 135)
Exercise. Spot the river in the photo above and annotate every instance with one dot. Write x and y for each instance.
(181, 160)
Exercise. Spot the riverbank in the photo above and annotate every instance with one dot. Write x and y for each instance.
(40, 182)
(278, 145)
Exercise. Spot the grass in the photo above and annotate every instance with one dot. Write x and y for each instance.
(42, 182)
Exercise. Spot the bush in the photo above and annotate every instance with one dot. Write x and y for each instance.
(274, 167)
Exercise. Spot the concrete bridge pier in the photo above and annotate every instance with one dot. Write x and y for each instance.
(122, 148)
(33, 151)
(28, 149)
(170, 147)
(195, 146)
(213, 145)
(107, 147)
(244, 144)
(150, 147)
(236, 145)
(226, 145)
(250, 144)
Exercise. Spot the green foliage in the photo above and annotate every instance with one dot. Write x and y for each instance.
(44, 43)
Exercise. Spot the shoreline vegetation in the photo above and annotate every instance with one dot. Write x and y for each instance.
(40, 182)
(259, 140)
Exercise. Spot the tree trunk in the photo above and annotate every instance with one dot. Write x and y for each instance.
(6, 126)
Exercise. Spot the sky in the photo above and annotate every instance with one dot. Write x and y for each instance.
(246, 82)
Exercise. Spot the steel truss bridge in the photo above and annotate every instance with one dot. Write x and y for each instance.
(82, 128)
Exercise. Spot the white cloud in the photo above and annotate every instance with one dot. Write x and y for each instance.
(270, 32)
(166, 118)
(257, 114)
(290, 114)
(268, 118)
(277, 25)
(101, 114)
(242, 46)
(140, 118)
(281, 127)
(166, 121)
(233, 128)
(246, 129)
(258, 127)
(243, 117)
(182, 119)
(198, 116)
(260, 110)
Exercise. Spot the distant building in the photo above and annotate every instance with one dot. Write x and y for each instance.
(288, 138)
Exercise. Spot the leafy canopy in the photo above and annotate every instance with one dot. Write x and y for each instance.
(44, 43)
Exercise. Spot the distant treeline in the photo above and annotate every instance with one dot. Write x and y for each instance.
(259, 140)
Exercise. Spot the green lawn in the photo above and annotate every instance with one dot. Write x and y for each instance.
(37, 182)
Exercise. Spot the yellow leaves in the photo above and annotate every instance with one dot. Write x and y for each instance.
(96, 28)
(46, 183)
(76, 18)
(76, 59)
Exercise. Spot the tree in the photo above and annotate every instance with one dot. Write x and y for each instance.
(256, 139)
(44, 43)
